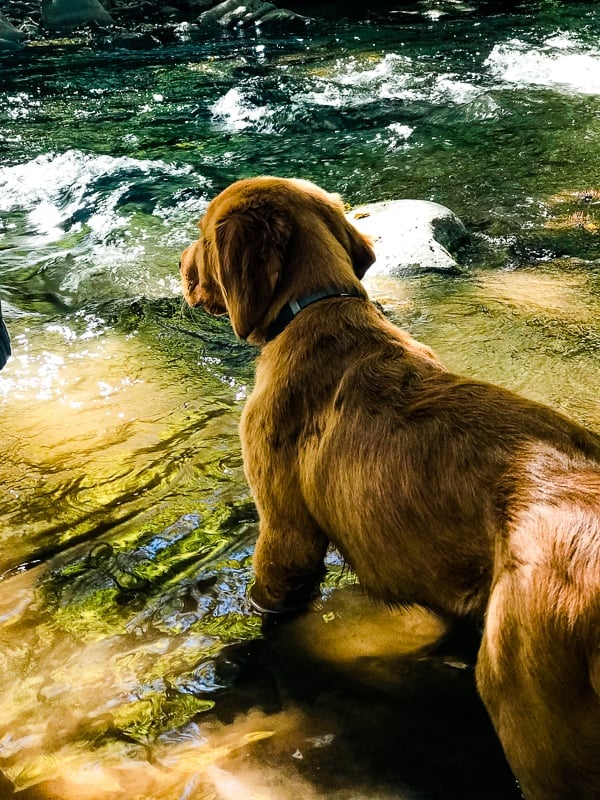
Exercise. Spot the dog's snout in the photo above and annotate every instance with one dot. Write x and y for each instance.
(190, 277)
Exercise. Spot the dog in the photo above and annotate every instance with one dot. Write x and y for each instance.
(438, 490)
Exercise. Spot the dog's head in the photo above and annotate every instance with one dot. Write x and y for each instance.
(265, 241)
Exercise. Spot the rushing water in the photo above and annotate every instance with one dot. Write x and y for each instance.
(131, 665)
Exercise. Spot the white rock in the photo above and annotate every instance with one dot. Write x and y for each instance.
(411, 236)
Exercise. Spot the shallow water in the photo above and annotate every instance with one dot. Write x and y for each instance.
(132, 666)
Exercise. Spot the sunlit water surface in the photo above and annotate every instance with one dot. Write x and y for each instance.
(131, 664)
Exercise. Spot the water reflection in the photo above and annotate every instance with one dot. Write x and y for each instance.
(534, 330)
(109, 723)
(103, 429)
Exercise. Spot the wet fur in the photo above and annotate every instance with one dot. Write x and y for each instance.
(437, 489)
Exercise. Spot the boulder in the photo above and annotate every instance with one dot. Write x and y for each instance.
(68, 14)
(279, 15)
(231, 13)
(219, 13)
(10, 37)
(411, 236)
(253, 15)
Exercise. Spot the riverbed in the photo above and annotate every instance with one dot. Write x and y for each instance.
(132, 664)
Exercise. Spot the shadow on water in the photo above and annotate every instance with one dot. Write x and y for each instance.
(311, 708)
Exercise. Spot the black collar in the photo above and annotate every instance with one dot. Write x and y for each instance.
(289, 311)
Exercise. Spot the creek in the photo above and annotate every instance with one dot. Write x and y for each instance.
(131, 665)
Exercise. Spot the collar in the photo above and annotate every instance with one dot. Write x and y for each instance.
(294, 307)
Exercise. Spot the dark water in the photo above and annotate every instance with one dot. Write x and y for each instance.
(132, 666)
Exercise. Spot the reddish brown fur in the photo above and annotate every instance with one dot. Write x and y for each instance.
(437, 489)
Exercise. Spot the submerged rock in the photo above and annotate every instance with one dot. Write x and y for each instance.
(411, 236)
(231, 13)
(136, 41)
(9, 44)
(68, 14)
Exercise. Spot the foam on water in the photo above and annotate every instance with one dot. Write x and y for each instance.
(379, 82)
(73, 180)
(102, 213)
(354, 82)
(561, 63)
(236, 113)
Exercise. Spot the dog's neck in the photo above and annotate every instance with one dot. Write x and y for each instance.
(294, 307)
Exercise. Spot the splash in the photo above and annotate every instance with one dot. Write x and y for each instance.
(84, 220)
(561, 63)
(72, 182)
(236, 112)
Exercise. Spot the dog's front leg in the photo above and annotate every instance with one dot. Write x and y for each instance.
(288, 564)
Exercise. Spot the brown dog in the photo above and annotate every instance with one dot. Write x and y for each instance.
(437, 489)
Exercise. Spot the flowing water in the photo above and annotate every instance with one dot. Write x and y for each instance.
(131, 664)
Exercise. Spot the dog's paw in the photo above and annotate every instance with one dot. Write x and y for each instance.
(294, 603)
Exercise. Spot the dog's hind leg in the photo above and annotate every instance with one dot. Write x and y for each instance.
(538, 673)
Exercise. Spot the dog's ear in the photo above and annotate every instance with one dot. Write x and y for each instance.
(251, 245)
(361, 250)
